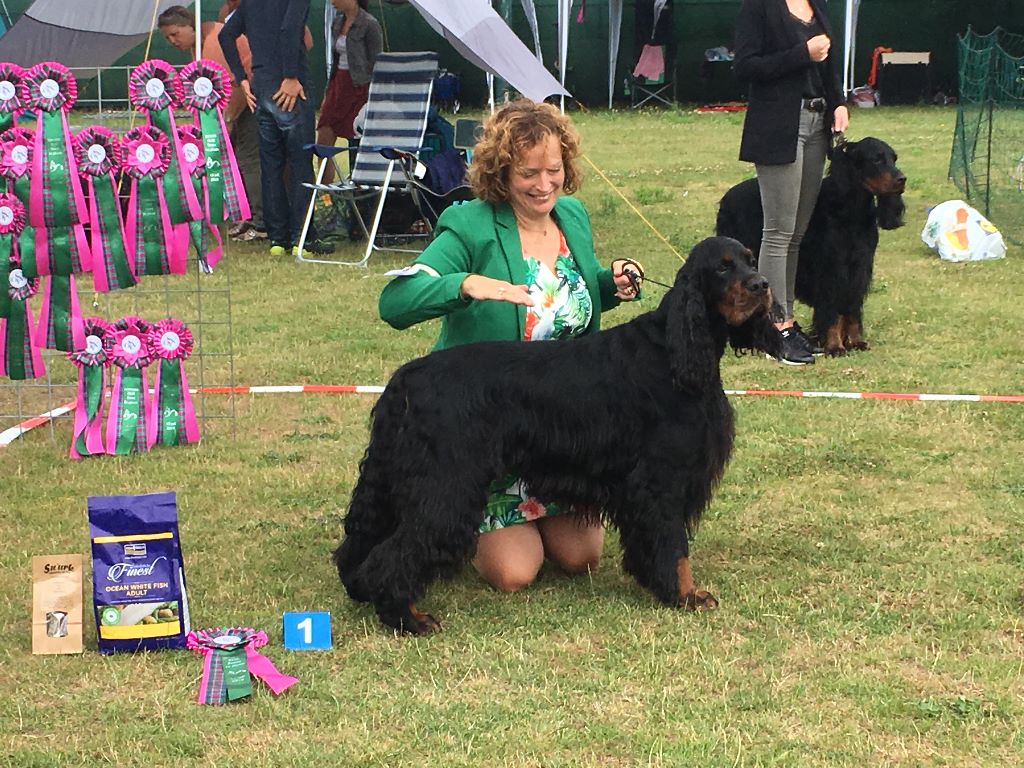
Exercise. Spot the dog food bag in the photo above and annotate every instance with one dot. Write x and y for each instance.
(137, 573)
(57, 604)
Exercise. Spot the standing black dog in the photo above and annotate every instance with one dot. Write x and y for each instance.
(629, 425)
(862, 192)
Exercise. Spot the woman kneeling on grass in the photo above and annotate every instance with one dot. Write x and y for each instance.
(517, 263)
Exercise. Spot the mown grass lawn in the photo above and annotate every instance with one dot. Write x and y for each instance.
(867, 554)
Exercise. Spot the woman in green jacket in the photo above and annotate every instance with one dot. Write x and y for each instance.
(517, 263)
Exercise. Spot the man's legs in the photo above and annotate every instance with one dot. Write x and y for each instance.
(273, 155)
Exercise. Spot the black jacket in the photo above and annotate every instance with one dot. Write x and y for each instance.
(773, 59)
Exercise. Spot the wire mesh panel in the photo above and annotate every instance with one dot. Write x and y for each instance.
(987, 159)
(201, 298)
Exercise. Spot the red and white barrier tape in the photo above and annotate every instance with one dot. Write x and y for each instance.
(10, 435)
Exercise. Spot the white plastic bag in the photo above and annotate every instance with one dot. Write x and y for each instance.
(960, 233)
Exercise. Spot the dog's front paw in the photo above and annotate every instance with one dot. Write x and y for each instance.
(408, 620)
(835, 351)
(698, 600)
(860, 344)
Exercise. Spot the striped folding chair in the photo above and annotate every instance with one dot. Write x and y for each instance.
(396, 119)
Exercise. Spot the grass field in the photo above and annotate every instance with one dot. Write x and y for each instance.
(867, 554)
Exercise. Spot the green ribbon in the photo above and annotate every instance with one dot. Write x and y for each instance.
(61, 250)
(93, 375)
(129, 411)
(209, 123)
(121, 276)
(150, 230)
(56, 184)
(170, 402)
(58, 324)
(14, 344)
(174, 189)
(27, 251)
(235, 666)
(5, 271)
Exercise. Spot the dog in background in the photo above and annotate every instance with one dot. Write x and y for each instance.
(629, 425)
(862, 192)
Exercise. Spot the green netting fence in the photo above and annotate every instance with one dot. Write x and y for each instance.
(987, 160)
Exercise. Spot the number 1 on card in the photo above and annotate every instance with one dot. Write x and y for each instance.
(307, 631)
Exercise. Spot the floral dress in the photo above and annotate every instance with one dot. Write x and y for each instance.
(562, 308)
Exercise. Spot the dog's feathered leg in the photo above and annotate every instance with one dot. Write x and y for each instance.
(689, 596)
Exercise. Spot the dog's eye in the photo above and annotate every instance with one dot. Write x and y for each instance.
(724, 267)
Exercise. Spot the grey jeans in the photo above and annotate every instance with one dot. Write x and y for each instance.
(788, 194)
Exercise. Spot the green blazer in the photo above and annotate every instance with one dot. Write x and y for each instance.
(480, 238)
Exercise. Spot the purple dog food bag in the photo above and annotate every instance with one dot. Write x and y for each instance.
(137, 573)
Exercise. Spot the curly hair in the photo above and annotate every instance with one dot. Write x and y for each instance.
(508, 135)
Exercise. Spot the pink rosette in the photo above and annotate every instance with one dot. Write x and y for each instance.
(97, 151)
(16, 148)
(153, 86)
(193, 160)
(99, 344)
(147, 152)
(205, 84)
(12, 215)
(130, 347)
(19, 287)
(50, 86)
(170, 339)
(211, 642)
(13, 91)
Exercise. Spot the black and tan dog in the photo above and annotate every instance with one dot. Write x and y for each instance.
(629, 425)
(862, 192)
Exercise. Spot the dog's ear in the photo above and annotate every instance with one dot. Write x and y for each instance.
(692, 357)
(890, 211)
(841, 169)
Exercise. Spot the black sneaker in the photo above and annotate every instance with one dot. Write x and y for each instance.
(315, 247)
(810, 344)
(793, 351)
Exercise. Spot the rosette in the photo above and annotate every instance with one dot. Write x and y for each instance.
(129, 400)
(91, 359)
(13, 93)
(153, 85)
(230, 658)
(56, 192)
(206, 87)
(12, 221)
(154, 88)
(148, 234)
(99, 158)
(16, 150)
(204, 236)
(20, 358)
(173, 417)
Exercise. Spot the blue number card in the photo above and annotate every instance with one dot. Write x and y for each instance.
(307, 631)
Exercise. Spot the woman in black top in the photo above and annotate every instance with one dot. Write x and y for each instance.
(784, 50)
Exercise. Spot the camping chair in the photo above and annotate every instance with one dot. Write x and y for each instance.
(648, 81)
(396, 120)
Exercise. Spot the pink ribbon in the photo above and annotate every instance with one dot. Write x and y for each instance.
(54, 331)
(91, 356)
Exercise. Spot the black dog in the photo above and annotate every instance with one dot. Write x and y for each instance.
(862, 192)
(629, 425)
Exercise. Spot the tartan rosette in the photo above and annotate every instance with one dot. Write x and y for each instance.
(13, 92)
(12, 215)
(224, 638)
(130, 348)
(205, 84)
(19, 287)
(97, 151)
(50, 86)
(147, 152)
(16, 148)
(99, 343)
(153, 86)
(170, 339)
(191, 138)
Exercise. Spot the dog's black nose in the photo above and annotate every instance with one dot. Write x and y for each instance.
(756, 283)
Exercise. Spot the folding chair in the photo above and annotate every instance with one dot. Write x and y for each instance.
(649, 81)
(396, 119)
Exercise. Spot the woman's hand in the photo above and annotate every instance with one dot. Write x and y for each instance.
(818, 47)
(840, 119)
(628, 276)
(488, 289)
